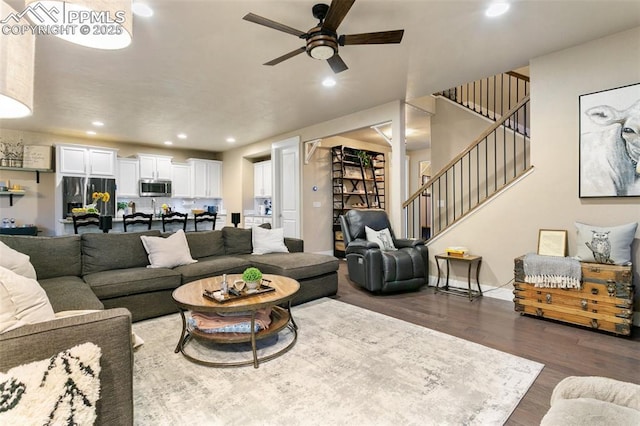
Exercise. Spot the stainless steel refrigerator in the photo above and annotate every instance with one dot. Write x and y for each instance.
(77, 192)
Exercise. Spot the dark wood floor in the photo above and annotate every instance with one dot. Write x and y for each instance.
(564, 350)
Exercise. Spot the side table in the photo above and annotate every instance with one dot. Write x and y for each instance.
(470, 260)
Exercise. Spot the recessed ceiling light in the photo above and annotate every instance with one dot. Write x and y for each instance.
(91, 133)
(329, 82)
(141, 9)
(168, 143)
(497, 9)
(97, 123)
(182, 136)
(231, 140)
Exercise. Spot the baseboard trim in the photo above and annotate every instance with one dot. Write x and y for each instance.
(502, 293)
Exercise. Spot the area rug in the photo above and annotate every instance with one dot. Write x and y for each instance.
(349, 366)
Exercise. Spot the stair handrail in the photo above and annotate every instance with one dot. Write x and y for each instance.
(457, 158)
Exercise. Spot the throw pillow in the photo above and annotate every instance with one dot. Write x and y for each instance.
(381, 237)
(268, 240)
(167, 252)
(22, 301)
(61, 390)
(16, 261)
(611, 244)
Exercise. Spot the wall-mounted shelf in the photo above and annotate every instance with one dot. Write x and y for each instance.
(10, 194)
(22, 169)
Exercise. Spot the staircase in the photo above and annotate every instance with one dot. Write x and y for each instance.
(491, 163)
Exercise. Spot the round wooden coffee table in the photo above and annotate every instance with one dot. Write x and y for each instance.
(189, 297)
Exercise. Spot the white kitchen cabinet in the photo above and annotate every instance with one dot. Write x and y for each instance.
(77, 160)
(181, 180)
(127, 180)
(262, 179)
(206, 178)
(251, 221)
(155, 166)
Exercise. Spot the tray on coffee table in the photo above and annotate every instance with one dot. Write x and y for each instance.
(235, 294)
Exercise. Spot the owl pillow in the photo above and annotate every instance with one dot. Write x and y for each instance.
(610, 244)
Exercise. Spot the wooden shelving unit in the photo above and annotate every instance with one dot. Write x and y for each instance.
(358, 178)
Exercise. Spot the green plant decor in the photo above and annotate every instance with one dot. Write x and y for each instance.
(252, 275)
(365, 158)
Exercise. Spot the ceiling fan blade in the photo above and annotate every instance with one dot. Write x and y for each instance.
(382, 37)
(291, 54)
(337, 64)
(272, 24)
(337, 11)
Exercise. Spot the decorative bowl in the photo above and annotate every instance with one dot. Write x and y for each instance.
(197, 211)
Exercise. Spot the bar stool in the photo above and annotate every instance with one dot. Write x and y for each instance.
(204, 217)
(137, 218)
(174, 217)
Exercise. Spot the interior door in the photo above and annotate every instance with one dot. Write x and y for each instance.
(286, 191)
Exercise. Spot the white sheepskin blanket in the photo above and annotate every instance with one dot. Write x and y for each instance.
(591, 401)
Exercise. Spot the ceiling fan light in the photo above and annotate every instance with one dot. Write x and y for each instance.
(321, 52)
(17, 58)
(98, 24)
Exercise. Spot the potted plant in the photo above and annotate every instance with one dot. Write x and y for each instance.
(365, 158)
(252, 276)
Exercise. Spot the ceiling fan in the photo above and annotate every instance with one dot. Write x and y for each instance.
(322, 40)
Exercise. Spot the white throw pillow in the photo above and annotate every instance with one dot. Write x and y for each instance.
(16, 261)
(268, 240)
(22, 301)
(167, 252)
(381, 237)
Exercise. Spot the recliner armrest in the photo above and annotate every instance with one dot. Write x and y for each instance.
(360, 246)
(406, 242)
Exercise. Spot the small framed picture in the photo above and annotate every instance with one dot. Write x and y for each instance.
(552, 242)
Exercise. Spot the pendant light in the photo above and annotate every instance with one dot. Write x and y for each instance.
(99, 24)
(17, 56)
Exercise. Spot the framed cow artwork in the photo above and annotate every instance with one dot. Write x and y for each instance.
(610, 143)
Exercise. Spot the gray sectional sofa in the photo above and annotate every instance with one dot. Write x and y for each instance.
(98, 271)
(101, 271)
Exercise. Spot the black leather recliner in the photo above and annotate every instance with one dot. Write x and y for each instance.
(382, 271)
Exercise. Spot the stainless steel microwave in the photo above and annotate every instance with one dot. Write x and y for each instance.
(154, 188)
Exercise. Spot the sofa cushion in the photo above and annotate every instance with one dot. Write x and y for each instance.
(294, 265)
(205, 244)
(104, 252)
(236, 240)
(50, 256)
(212, 266)
(70, 293)
(123, 282)
(22, 301)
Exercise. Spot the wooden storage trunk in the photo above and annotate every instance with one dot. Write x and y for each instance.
(605, 301)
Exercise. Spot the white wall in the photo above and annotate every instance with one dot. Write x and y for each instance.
(548, 198)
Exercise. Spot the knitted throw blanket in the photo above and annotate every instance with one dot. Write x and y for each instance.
(552, 271)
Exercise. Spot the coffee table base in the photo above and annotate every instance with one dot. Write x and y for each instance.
(280, 319)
